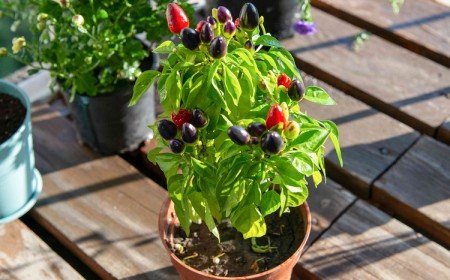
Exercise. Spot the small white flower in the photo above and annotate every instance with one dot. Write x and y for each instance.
(78, 20)
(18, 43)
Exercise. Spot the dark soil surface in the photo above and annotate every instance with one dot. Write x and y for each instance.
(12, 114)
(234, 257)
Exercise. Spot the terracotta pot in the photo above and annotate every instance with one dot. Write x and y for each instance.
(167, 220)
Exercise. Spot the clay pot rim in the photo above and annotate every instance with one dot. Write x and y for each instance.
(305, 212)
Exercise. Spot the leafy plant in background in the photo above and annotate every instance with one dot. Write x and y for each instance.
(90, 47)
(233, 141)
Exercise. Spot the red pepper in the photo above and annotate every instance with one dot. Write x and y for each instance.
(176, 18)
(200, 26)
(284, 80)
(183, 116)
(237, 22)
(275, 116)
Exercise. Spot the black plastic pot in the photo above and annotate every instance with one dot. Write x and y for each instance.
(106, 124)
(279, 16)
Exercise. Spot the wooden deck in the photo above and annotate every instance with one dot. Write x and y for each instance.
(384, 215)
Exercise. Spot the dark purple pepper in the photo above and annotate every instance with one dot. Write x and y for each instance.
(198, 118)
(167, 129)
(249, 17)
(223, 14)
(190, 38)
(272, 143)
(176, 146)
(249, 45)
(296, 90)
(207, 33)
(229, 29)
(218, 47)
(256, 129)
(212, 21)
(189, 133)
(239, 135)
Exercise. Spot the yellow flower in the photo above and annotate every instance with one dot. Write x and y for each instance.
(3, 52)
(18, 44)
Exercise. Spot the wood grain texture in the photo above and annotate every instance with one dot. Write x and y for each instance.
(366, 243)
(417, 189)
(421, 26)
(102, 209)
(326, 203)
(371, 141)
(23, 255)
(389, 78)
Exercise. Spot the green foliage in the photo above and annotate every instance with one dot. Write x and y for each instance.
(89, 47)
(222, 180)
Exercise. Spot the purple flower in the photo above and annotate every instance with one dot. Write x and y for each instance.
(305, 27)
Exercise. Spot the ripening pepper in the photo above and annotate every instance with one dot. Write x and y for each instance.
(183, 116)
(249, 17)
(275, 117)
(284, 80)
(176, 18)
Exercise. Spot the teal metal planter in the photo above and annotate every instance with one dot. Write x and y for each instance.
(20, 182)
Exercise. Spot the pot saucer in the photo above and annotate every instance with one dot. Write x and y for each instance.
(37, 182)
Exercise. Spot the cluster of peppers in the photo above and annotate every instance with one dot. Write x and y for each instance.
(205, 31)
(184, 123)
(272, 135)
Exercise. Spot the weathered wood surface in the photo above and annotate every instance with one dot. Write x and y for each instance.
(326, 203)
(389, 78)
(444, 131)
(102, 209)
(421, 26)
(371, 141)
(417, 189)
(366, 243)
(23, 255)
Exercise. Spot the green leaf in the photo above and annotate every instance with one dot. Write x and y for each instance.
(334, 136)
(168, 163)
(249, 221)
(270, 203)
(287, 61)
(317, 178)
(143, 83)
(269, 41)
(292, 196)
(165, 47)
(287, 172)
(232, 86)
(311, 139)
(173, 88)
(318, 95)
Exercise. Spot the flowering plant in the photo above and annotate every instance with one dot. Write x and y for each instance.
(89, 46)
(240, 146)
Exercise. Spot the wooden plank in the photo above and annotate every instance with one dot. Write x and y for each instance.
(23, 255)
(366, 243)
(102, 209)
(326, 203)
(444, 131)
(417, 189)
(389, 78)
(421, 26)
(371, 141)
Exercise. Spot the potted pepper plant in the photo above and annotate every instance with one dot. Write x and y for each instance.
(235, 147)
(93, 53)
